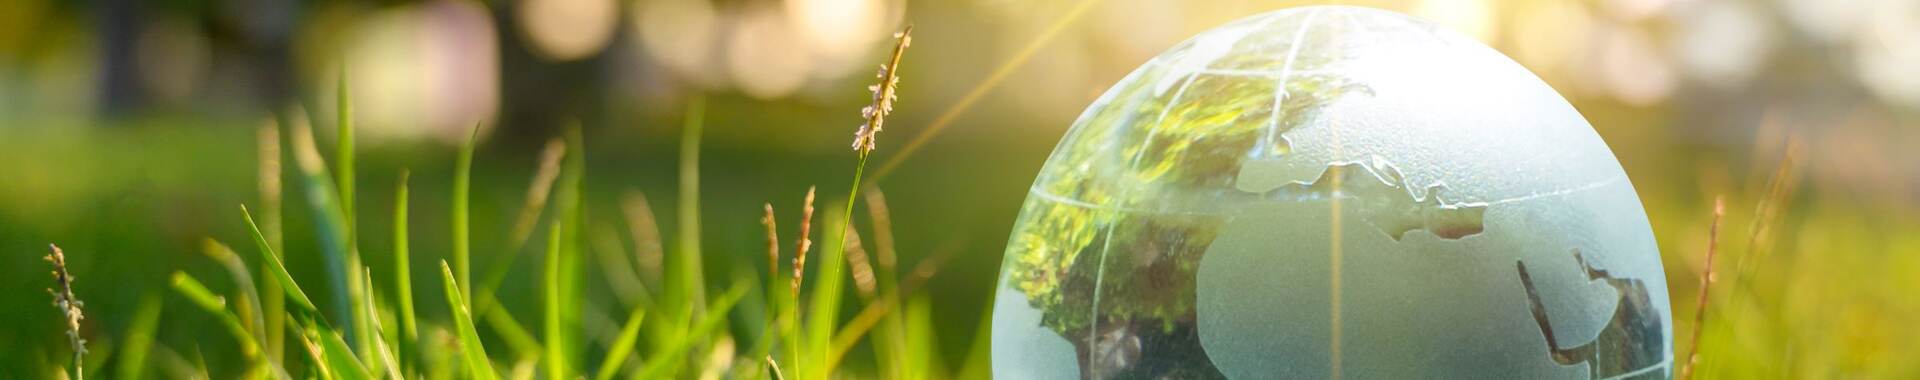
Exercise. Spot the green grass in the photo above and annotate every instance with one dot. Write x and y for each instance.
(666, 325)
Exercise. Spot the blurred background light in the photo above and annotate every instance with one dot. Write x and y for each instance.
(762, 56)
(1552, 33)
(837, 31)
(1473, 17)
(681, 35)
(1721, 44)
(423, 71)
(1631, 68)
(1140, 29)
(564, 30)
(1831, 21)
(1887, 53)
(1636, 10)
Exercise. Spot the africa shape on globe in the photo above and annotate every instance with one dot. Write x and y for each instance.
(1332, 192)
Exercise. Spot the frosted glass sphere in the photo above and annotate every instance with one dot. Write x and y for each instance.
(1332, 192)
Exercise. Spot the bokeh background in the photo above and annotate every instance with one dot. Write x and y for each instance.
(128, 135)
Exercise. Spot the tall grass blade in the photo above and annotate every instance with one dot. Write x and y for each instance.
(345, 162)
(383, 353)
(623, 278)
(545, 177)
(343, 156)
(683, 294)
(563, 256)
(338, 359)
(475, 355)
(979, 362)
(824, 305)
(538, 191)
(668, 361)
(523, 344)
(273, 306)
(462, 184)
(139, 338)
(217, 306)
(622, 345)
(248, 308)
(556, 344)
(403, 279)
(275, 267)
(330, 222)
(889, 337)
(689, 273)
(923, 346)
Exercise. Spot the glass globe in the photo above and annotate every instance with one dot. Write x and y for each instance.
(1331, 192)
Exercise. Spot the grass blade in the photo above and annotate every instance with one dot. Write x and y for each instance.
(382, 352)
(824, 305)
(669, 360)
(278, 270)
(889, 336)
(403, 278)
(216, 305)
(248, 308)
(923, 346)
(622, 345)
(691, 284)
(538, 191)
(139, 336)
(462, 183)
(563, 257)
(523, 344)
(556, 343)
(979, 361)
(273, 307)
(330, 222)
(545, 177)
(343, 156)
(476, 355)
(335, 356)
(345, 177)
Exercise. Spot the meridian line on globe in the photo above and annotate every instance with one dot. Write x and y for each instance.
(1271, 138)
(1191, 77)
(1334, 254)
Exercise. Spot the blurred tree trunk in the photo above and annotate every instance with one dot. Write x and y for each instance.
(538, 95)
(119, 27)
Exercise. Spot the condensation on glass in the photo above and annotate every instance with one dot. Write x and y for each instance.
(1332, 192)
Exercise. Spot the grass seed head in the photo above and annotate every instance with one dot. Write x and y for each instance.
(773, 243)
(800, 255)
(885, 94)
(69, 305)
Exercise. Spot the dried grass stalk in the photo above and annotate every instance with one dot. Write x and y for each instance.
(773, 243)
(538, 191)
(646, 233)
(1706, 283)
